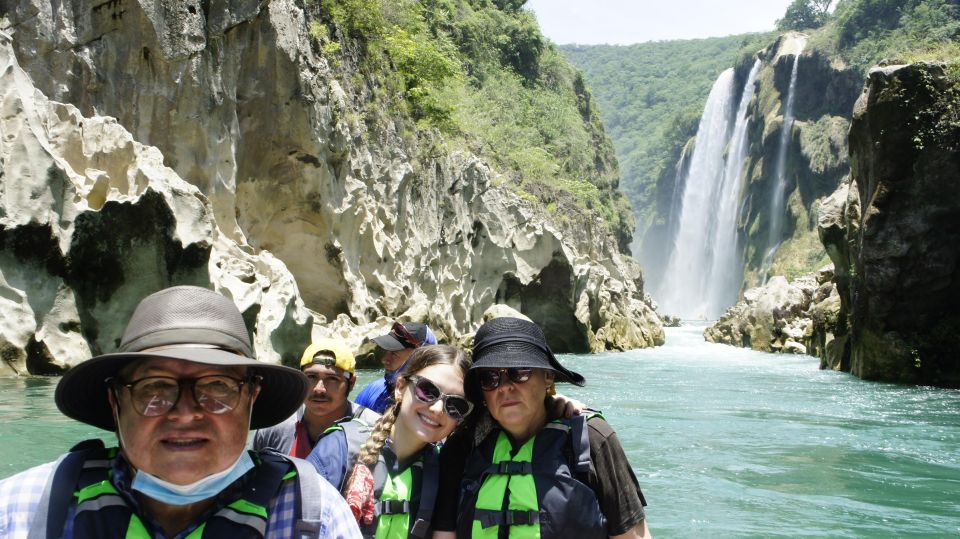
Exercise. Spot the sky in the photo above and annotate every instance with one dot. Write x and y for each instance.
(623, 22)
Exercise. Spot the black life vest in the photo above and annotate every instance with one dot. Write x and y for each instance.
(532, 491)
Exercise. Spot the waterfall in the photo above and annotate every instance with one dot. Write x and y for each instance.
(726, 271)
(684, 287)
(778, 198)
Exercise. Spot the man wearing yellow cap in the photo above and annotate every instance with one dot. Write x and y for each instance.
(330, 368)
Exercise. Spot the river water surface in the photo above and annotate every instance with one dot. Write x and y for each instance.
(725, 442)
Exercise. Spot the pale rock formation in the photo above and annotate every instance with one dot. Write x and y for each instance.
(91, 221)
(297, 159)
(500, 311)
(781, 316)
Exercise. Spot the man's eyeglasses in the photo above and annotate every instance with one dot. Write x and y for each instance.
(407, 339)
(491, 379)
(156, 395)
(427, 392)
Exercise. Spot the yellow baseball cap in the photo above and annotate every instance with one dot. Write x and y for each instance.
(343, 356)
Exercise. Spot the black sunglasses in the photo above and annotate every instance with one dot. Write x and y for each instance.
(427, 392)
(407, 339)
(491, 379)
(156, 395)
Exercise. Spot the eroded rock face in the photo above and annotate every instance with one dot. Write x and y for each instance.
(91, 221)
(298, 161)
(898, 237)
(791, 317)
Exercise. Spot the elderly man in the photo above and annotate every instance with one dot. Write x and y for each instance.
(397, 345)
(181, 395)
(331, 371)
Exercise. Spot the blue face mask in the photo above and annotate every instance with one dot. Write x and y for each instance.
(208, 487)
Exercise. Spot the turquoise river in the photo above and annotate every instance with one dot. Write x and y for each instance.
(725, 442)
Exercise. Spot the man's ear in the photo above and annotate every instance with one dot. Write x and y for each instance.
(115, 410)
(352, 381)
(254, 392)
(114, 404)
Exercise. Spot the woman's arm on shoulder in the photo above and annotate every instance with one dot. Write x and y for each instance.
(563, 406)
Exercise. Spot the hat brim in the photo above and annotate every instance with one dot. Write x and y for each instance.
(81, 393)
(514, 354)
(389, 343)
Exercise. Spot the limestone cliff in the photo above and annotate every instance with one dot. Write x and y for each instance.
(894, 232)
(815, 159)
(91, 221)
(301, 168)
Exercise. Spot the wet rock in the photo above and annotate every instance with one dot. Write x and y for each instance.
(788, 317)
(896, 244)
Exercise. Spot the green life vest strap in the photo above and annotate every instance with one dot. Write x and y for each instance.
(392, 507)
(508, 517)
(510, 467)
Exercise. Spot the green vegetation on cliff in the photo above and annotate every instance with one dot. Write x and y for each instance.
(481, 74)
(866, 32)
(651, 96)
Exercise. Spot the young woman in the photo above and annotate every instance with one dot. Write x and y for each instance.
(393, 487)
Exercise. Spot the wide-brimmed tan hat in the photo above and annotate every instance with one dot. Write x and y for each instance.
(188, 323)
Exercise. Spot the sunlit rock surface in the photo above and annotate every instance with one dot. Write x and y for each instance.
(790, 317)
(293, 168)
(91, 221)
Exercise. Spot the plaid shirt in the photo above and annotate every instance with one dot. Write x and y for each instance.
(20, 495)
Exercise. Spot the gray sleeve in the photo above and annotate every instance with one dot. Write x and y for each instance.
(278, 437)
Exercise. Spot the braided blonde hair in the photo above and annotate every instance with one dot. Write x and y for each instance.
(421, 358)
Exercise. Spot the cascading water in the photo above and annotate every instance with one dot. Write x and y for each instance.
(726, 270)
(779, 191)
(684, 287)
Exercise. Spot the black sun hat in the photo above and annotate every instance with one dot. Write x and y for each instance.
(189, 323)
(507, 342)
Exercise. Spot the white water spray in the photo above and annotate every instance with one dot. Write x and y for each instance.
(778, 196)
(683, 290)
(704, 270)
(726, 269)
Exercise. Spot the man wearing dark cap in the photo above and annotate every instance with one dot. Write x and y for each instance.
(397, 345)
(181, 395)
